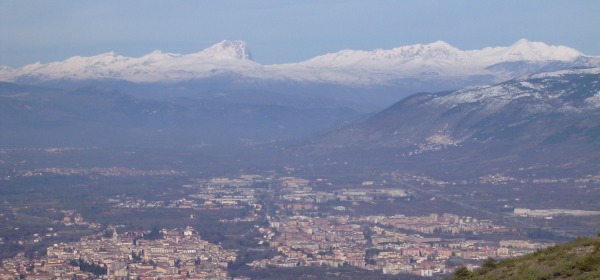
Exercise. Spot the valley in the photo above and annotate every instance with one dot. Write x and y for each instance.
(406, 222)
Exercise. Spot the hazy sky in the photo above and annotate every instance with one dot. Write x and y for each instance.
(278, 31)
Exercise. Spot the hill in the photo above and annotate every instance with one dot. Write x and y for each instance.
(546, 119)
(33, 116)
(576, 260)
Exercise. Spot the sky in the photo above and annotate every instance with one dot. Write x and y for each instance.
(282, 31)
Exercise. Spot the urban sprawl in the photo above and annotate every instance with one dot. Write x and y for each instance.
(288, 216)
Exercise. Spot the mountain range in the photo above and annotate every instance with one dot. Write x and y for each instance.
(437, 62)
(418, 106)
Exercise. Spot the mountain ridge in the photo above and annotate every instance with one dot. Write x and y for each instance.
(551, 118)
(422, 62)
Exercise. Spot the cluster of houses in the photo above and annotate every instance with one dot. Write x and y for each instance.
(177, 254)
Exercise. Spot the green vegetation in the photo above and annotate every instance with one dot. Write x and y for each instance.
(89, 267)
(154, 234)
(575, 260)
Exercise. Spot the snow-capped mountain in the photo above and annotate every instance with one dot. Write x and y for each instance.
(433, 63)
(227, 50)
(224, 57)
(544, 92)
(435, 60)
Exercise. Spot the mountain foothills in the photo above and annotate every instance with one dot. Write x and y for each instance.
(32, 116)
(552, 119)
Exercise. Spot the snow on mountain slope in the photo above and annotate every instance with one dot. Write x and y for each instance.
(539, 108)
(549, 120)
(529, 51)
(226, 50)
(224, 57)
(437, 61)
(538, 93)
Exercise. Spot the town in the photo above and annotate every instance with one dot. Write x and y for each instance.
(304, 222)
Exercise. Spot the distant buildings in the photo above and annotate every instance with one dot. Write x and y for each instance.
(181, 253)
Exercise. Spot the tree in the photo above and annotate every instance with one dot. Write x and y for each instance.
(488, 265)
(368, 233)
(154, 234)
(136, 257)
(107, 234)
(463, 273)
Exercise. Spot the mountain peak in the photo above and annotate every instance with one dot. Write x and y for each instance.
(524, 45)
(539, 51)
(227, 50)
(440, 44)
(438, 49)
(522, 41)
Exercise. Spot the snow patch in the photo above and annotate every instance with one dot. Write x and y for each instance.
(594, 100)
